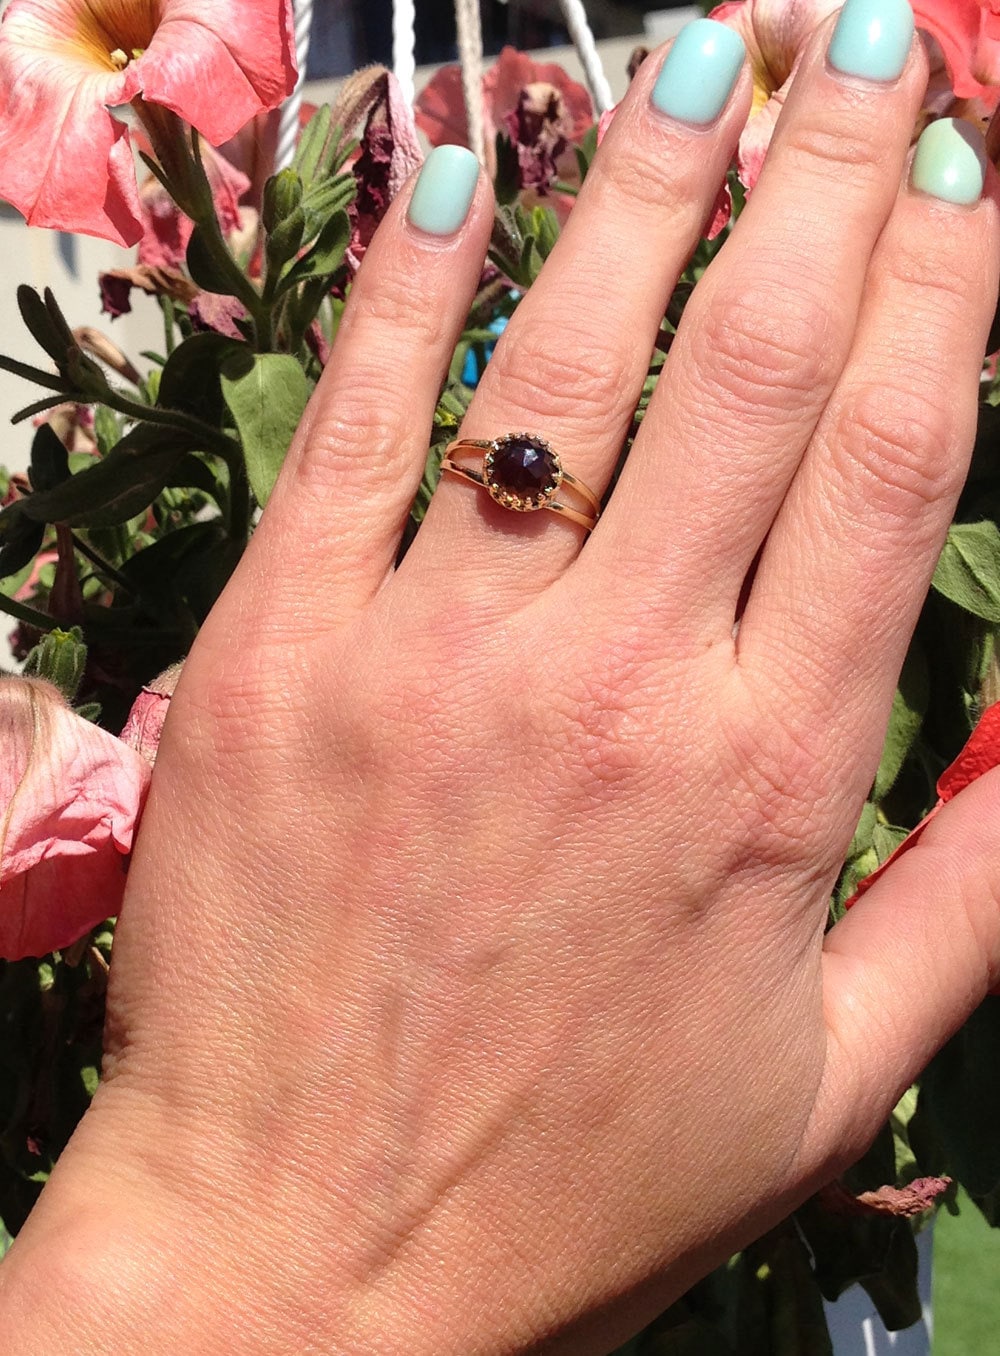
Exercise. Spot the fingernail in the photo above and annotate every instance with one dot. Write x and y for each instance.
(950, 161)
(872, 39)
(444, 190)
(699, 72)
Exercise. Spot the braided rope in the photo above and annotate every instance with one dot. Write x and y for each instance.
(583, 40)
(404, 46)
(288, 127)
(468, 23)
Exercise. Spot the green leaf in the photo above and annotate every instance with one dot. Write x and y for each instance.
(954, 1128)
(204, 268)
(49, 459)
(320, 203)
(107, 429)
(507, 180)
(313, 141)
(20, 538)
(45, 323)
(909, 706)
(116, 488)
(325, 257)
(266, 394)
(190, 379)
(968, 572)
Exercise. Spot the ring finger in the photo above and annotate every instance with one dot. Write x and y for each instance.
(571, 364)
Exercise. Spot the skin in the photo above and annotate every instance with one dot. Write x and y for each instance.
(471, 993)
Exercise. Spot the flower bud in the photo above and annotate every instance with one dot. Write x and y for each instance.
(282, 195)
(60, 658)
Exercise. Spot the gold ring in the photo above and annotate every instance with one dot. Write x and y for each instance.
(523, 472)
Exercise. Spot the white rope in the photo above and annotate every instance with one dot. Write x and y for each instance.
(583, 40)
(404, 46)
(288, 126)
(470, 54)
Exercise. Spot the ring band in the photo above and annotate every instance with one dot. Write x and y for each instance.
(523, 472)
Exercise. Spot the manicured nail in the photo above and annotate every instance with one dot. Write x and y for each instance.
(699, 72)
(950, 161)
(872, 39)
(444, 190)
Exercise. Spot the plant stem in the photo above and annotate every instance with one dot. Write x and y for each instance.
(214, 439)
(100, 564)
(29, 615)
(169, 343)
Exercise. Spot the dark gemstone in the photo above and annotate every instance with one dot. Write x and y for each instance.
(524, 467)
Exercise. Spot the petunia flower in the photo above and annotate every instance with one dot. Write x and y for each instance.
(777, 31)
(534, 103)
(65, 159)
(70, 799)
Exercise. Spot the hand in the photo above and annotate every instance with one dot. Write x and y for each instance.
(471, 993)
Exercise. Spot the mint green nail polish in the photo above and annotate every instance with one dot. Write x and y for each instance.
(950, 161)
(872, 39)
(699, 72)
(444, 190)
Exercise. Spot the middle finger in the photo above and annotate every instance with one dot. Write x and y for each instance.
(571, 364)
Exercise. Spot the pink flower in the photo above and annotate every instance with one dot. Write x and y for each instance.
(149, 710)
(777, 31)
(65, 161)
(968, 32)
(536, 104)
(70, 799)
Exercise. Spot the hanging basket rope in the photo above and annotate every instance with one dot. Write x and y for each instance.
(288, 126)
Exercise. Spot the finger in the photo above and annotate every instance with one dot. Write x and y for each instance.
(571, 364)
(329, 536)
(908, 964)
(846, 568)
(761, 344)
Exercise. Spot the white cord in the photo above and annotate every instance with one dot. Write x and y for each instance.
(583, 40)
(404, 46)
(468, 23)
(288, 126)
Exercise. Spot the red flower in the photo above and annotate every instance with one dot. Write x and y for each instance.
(70, 799)
(534, 103)
(65, 161)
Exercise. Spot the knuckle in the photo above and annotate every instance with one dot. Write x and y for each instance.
(830, 146)
(357, 440)
(597, 724)
(561, 373)
(758, 346)
(779, 766)
(897, 449)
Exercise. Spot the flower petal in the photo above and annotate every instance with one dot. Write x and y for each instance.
(218, 63)
(65, 162)
(968, 34)
(70, 798)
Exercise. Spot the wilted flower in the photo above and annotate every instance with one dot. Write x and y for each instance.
(65, 160)
(167, 230)
(149, 710)
(70, 799)
(534, 103)
(371, 106)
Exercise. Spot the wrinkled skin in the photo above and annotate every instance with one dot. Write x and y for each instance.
(471, 991)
